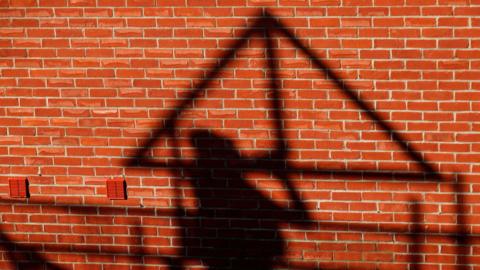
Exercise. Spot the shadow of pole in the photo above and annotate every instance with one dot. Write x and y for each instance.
(281, 150)
(417, 236)
(463, 233)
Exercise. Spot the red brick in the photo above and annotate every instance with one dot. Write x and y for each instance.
(85, 83)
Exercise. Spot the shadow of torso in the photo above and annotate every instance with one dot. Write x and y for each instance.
(235, 225)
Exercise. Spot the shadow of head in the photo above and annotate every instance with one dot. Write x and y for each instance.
(209, 145)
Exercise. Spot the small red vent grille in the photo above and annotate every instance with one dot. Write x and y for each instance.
(18, 187)
(116, 189)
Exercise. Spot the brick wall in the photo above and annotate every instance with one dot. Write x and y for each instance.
(252, 134)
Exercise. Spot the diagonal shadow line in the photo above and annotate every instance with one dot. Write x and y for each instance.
(12, 247)
(353, 96)
(169, 124)
(269, 22)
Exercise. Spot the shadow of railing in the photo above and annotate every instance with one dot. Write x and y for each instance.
(26, 254)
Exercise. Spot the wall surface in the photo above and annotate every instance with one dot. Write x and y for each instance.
(252, 134)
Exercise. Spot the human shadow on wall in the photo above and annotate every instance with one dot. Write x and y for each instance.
(210, 234)
(235, 226)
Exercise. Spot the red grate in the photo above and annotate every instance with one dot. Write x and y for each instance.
(116, 189)
(18, 187)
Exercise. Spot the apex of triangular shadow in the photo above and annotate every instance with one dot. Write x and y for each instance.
(167, 125)
(268, 22)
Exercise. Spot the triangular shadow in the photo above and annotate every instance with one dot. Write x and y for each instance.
(266, 23)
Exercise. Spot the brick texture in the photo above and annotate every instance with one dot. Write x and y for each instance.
(252, 134)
